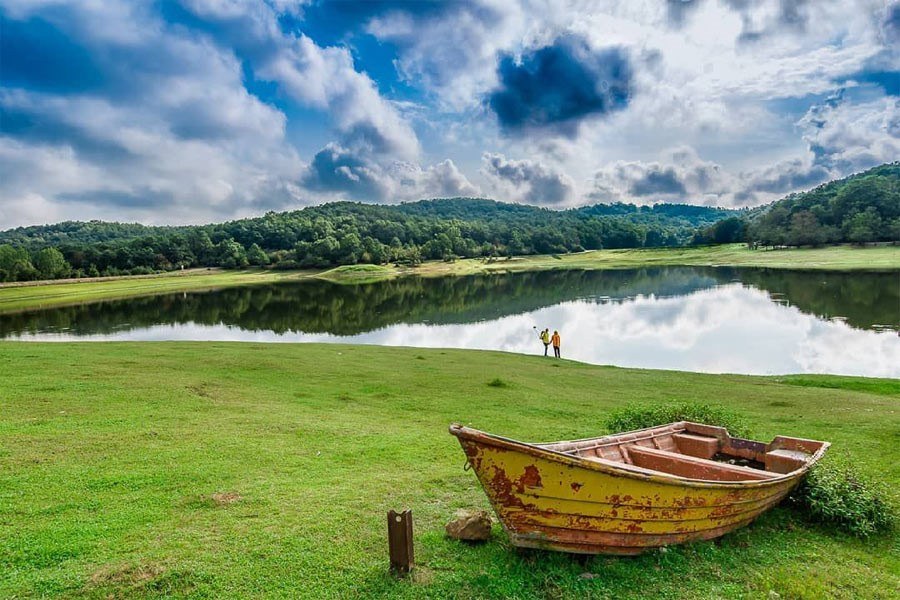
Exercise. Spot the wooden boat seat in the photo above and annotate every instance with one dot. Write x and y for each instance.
(783, 460)
(696, 445)
(692, 467)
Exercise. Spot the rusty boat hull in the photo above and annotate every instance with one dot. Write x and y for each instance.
(627, 493)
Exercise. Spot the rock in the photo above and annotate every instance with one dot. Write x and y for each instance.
(470, 525)
(588, 576)
(773, 595)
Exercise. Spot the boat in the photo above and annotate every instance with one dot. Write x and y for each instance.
(634, 491)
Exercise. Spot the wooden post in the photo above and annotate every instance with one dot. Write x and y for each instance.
(400, 541)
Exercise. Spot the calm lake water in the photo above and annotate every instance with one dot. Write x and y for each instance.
(697, 319)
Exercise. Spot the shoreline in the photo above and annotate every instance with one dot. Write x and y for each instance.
(17, 297)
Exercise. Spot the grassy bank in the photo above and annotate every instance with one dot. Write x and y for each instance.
(833, 258)
(838, 258)
(51, 293)
(244, 470)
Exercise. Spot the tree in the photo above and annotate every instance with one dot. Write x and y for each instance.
(51, 264)
(202, 247)
(350, 249)
(231, 255)
(863, 226)
(805, 229)
(728, 231)
(15, 264)
(257, 256)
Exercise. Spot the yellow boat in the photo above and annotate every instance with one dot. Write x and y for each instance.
(629, 492)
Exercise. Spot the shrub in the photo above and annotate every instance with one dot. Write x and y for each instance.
(838, 496)
(639, 416)
(497, 383)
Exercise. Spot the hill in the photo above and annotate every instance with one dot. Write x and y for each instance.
(861, 208)
(343, 233)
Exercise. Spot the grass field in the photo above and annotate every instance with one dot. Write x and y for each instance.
(245, 470)
(833, 258)
(839, 258)
(47, 294)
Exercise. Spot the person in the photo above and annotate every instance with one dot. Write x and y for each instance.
(555, 341)
(545, 337)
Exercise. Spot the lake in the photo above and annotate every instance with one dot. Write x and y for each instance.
(717, 320)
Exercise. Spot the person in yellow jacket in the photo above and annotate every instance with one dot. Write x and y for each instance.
(555, 341)
(545, 337)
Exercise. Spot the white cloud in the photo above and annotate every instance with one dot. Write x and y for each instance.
(171, 132)
(164, 140)
(848, 136)
(321, 77)
(454, 53)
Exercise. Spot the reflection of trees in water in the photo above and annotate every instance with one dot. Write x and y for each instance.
(342, 309)
(325, 307)
(865, 300)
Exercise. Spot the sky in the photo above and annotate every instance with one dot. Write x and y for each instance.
(193, 111)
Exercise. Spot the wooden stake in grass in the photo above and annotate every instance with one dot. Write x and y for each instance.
(400, 541)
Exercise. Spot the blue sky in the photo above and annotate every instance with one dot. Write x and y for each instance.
(184, 111)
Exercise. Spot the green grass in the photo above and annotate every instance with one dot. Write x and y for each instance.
(832, 258)
(15, 298)
(214, 470)
(45, 294)
(358, 273)
(886, 387)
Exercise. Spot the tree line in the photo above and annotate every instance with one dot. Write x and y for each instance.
(859, 209)
(345, 233)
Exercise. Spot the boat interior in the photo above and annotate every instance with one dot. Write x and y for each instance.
(696, 451)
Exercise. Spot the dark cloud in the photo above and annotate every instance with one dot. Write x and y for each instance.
(792, 17)
(336, 169)
(369, 137)
(557, 86)
(788, 176)
(29, 121)
(793, 14)
(534, 182)
(890, 25)
(658, 180)
(141, 198)
(678, 11)
(682, 177)
(346, 173)
(745, 198)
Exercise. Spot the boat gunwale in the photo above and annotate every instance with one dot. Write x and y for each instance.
(590, 439)
(626, 470)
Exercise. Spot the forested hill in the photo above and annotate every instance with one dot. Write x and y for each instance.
(462, 209)
(862, 208)
(346, 233)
